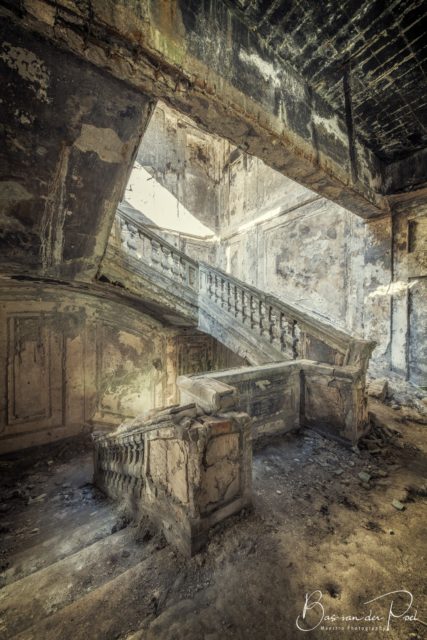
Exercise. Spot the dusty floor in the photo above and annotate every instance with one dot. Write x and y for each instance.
(317, 526)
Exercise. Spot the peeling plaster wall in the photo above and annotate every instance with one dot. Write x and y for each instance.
(71, 360)
(285, 239)
(409, 303)
(67, 138)
(251, 192)
(184, 160)
(365, 276)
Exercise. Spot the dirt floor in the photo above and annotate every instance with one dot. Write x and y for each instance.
(331, 528)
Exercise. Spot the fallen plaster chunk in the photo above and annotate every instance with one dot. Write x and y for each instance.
(378, 388)
(364, 476)
(398, 505)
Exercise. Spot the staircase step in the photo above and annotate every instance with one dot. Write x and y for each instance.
(27, 601)
(115, 609)
(62, 544)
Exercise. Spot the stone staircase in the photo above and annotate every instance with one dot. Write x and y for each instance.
(82, 572)
(91, 572)
(303, 372)
(260, 327)
(330, 363)
(187, 467)
(99, 589)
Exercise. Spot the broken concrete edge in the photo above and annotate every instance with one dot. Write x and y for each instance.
(378, 388)
(153, 421)
(208, 393)
(186, 476)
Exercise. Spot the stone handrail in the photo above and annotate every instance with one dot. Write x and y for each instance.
(278, 330)
(158, 253)
(291, 331)
(183, 468)
(189, 466)
(284, 396)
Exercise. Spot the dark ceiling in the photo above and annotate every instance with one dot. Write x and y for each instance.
(386, 44)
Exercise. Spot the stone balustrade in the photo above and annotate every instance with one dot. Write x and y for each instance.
(185, 469)
(159, 254)
(290, 331)
(284, 396)
(189, 467)
(252, 323)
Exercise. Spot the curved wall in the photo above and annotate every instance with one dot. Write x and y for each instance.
(73, 359)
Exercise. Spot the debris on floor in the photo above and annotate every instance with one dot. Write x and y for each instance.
(347, 523)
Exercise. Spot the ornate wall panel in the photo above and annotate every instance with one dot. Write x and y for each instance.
(33, 354)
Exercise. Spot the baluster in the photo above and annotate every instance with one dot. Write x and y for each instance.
(245, 306)
(274, 327)
(254, 306)
(175, 265)
(120, 235)
(145, 245)
(141, 244)
(217, 289)
(283, 330)
(131, 243)
(229, 288)
(264, 321)
(223, 293)
(188, 274)
(156, 256)
(182, 271)
(112, 464)
(237, 301)
(124, 463)
(211, 291)
(166, 256)
(296, 336)
(192, 277)
(131, 457)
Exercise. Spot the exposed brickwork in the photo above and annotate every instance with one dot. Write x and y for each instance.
(384, 43)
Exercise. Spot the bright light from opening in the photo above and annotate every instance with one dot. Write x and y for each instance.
(161, 206)
(394, 288)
